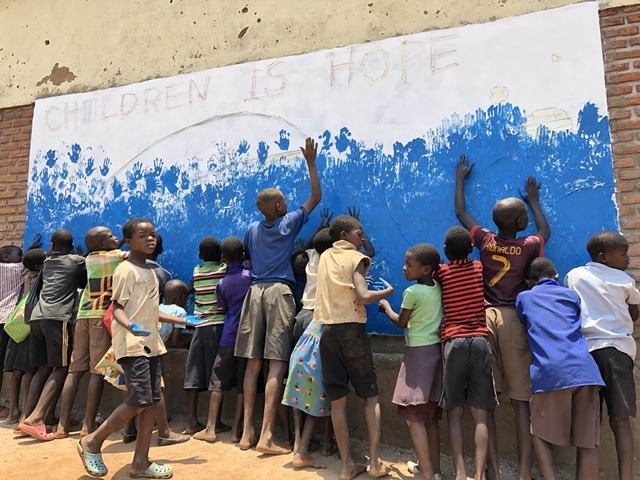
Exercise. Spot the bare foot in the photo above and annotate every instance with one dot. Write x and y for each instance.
(328, 449)
(222, 427)
(192, 429)
(206, 435)
(270, 448)
(13, 418)
(247, 441)
(356, 469)
(381, 470)
(84, 431)
(302, 461)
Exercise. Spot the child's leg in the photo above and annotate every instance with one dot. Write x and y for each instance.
(69, 392)
(587, 463)
(623, 434)
(327, 441)
(433, 435)
(480, 439)
(92, 443)
(493, 461)
(236, 430)
(146, 419)
(272, 399)
(456, 440)
(420, 442)
(341, 430)
(50, 392)
(298, 421)
(250, 387)
(94, 395)
(523, 437)
(193, 425)
(165, 435)
(35, 389)
(283, 414)
(544, 453)
(301, 458)
(209, 433)
(14, 396)
(24, 391)
(372, 420)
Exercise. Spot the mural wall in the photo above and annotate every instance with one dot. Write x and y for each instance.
(521, 96)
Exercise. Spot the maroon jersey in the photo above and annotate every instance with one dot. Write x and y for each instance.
(504, 261)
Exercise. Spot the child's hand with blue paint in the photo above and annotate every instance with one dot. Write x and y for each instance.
(194, 321)
(138, 331)
(377, 285)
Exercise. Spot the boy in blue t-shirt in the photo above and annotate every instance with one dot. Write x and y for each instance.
(565, 380)
(266, 321)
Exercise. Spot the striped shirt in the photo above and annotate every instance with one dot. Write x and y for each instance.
(96, 296)
(12, 276)
(463, 299)
(205, 282)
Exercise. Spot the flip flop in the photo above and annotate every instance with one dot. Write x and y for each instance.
(38, 432)
(155, 471)
(92, 462)
(163, 442)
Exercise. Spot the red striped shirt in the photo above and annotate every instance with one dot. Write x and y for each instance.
(462, 298)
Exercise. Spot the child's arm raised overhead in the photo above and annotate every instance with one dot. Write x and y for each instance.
(463, 170)
(363, 294)
(401, 320)
(309, 152)
(532, 199)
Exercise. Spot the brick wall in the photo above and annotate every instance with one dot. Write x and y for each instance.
(621, 45)
(15, 136)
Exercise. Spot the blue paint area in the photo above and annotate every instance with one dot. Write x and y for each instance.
(404, 191)
(284, 141)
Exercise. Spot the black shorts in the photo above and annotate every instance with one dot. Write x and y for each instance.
(467, 374)
(346, 356)
(228, 371)
(619, 391)
(4, 342)
(142, 377)
(201, 356)
(17, 356)
(50, 343)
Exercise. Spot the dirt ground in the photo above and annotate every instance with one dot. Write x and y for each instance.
(195, 460)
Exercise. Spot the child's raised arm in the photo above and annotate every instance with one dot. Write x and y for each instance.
(401, 320)
(363, 294)
(367, 246)
(532, 198)
(463, 170)
(309, 152)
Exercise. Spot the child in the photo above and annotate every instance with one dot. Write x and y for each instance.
(175, 299)
(206, 337)
(419, 385)
(267, 332)
(468, 378)
(49, 346)
(299, 262)
(344, 346)
(91, 340)
(137, 346)
(304, 389)
(17, 358)
(504, 258)
(565, 381)
(609, 306)
(228, 370)
(162, 273)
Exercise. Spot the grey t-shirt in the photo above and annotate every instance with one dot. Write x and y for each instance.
(62, 274)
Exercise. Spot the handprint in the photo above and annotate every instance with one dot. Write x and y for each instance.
(157, 166)
(134, 175)
(105, 167)
(184, 181)
(243, 147)
(74, 156)
(283, 142)
(90, 168)
(170, 178)
(353, 212)
(325, 218)
(263, 151)
(52, 158)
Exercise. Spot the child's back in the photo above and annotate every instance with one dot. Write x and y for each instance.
(12, 276)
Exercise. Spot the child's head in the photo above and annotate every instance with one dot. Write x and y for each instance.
(609, 248)
(233, 251)
(538, 269)
(299, 262)
(346, 227)
(510, 214)
(34, 259)
(10, 254)
(158, 250)
(420, 261)
(140, 235)
(62, 241)
(322, 241)
(99, 239)
(175, 293)
(210, 250)
(457, 243)
(271, 203)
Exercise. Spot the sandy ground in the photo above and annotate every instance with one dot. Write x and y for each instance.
(195, 460)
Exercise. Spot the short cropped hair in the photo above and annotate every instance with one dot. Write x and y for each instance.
(130, 225)
(322, 241)
(540, 268)
(268, 195)
(9, 249)
(34, 258)
(210, 249)
(457, 240)
(343, 223)
(173, 288)
(233, 250)
(62, 238)
(605, 242)
(158, 250)
(299, 262)
(426, 254)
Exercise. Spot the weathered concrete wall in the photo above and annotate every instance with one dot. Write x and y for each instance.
(64, 46)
